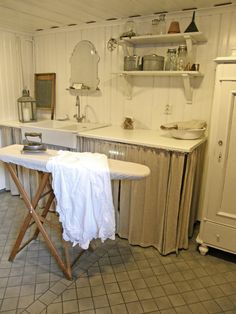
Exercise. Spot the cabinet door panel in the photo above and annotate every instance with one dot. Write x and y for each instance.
(222, 194)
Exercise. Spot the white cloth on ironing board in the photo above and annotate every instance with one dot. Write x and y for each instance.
(82, 186)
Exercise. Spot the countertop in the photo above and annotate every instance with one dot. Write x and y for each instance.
(149, 138)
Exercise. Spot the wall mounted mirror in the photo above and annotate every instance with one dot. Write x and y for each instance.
(45, 91)
(84, 68)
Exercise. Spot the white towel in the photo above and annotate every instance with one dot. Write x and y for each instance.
(82, 186)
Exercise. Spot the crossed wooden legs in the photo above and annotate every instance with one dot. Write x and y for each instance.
(39, 219)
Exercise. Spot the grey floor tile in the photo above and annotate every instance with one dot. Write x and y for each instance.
(115, 298)
(86, 304)
(211, 306)
(225, 303)
(149, 306)
(9, 304)
(36, 307)
(115, 278)
(70, 306)
(134, 308)
(55, 308)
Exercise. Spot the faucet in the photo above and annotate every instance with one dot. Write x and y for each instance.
(79, 117)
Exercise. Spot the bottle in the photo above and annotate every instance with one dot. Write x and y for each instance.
(171, 60)
(182, 58)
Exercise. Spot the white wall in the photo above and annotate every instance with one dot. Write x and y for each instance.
(150, 95)
(16, 70)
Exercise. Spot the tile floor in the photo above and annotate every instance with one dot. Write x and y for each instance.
(115, 278)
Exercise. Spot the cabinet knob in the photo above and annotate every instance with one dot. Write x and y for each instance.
(220, 142)
(217, 237)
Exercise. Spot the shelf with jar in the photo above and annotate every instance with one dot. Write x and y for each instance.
(178, 62)
(195, 37)
(185, 75)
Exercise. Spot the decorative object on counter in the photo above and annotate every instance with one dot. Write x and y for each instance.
(26, 107)
(33, 146)
(195, 67)
(129, 29)
(174, 28)
(191, 134)
(132, 63)
(79, 86)
(171, 60)
(182, 58)
(192, 26)
(185, 125)
(153, 63)
(112, 44)
(128, 123)
(159, 25)
(187, 130)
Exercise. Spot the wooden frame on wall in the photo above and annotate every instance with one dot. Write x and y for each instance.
(45, 91)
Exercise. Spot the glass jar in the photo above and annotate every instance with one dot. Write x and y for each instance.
(171, 60)
(159, 25)
(182, 58)
(155, 23)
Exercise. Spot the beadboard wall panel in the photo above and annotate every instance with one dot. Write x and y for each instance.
(150, 95)
(16, 71)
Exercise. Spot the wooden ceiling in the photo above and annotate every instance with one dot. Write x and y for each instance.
(31, 15)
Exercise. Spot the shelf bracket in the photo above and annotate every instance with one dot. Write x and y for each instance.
(187, 88)
(189, 43)
(125, 47)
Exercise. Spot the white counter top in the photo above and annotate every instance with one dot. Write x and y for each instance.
(149, 138)
(12, 124)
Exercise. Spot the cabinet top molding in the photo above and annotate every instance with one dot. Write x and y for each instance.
(227, 59)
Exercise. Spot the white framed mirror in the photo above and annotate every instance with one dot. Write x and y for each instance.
(84, 68)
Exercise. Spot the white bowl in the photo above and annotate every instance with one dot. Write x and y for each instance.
(190, 134)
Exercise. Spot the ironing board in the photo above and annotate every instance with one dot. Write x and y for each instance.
(12, 155)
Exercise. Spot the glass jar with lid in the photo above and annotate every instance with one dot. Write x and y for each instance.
(182, 58)
(159, 25)
(171, 60)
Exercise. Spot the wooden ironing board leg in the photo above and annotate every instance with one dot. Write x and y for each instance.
(32, 215)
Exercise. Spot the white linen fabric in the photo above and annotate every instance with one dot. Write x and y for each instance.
(82, 187)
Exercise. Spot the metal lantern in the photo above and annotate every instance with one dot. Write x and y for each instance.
(26, 107)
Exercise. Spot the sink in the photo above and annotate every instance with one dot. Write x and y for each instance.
(78, 127)
(61, 133)
(51, 124)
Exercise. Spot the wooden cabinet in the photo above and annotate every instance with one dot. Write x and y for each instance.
(218, 227)
(188, 38)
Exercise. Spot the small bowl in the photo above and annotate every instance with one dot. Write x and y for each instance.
(190, 134)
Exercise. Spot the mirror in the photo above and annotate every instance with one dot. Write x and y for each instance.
(45, 86)
(84, 68)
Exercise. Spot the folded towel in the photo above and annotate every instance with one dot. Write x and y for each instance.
(185, 125)
(82, 186)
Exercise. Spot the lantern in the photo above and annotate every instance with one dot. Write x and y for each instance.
(26, 107)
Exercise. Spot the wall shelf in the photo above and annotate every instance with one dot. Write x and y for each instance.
(185, 75)
(195, 37)
(161, 73)
(188, 38)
